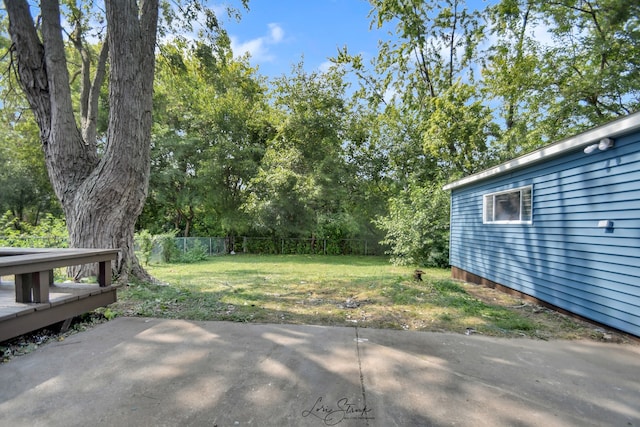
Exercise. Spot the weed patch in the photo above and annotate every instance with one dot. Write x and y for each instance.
(336, 290)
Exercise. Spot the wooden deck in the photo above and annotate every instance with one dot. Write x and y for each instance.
(33, 301)
(65, 301)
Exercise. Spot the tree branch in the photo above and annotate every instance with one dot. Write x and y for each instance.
(452, 45)
(29, 64)
(89, 128)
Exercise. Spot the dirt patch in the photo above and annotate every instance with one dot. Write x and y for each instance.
(555, 324)
(27, 343)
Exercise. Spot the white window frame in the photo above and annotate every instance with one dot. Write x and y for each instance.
(489, 204)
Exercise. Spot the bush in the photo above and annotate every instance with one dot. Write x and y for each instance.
(51, 232)
(144, 241)
(169, 250)
(196, 253)
(417, 226)
(262, 245)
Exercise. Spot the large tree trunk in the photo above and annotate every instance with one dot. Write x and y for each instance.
(102, 195)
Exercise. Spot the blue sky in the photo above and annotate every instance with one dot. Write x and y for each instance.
(279, 33)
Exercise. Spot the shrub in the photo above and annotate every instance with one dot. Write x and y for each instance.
(417, 226)
(144, 241)
(51, 232)
(168, 248)
(196, 253)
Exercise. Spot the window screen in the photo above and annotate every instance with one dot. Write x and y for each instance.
(513, 206)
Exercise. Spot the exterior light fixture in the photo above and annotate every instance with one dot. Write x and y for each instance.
(589, 149)
(602, 145)
(605, 223)
(605, 144)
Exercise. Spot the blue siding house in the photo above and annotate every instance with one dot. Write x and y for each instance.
(561, 225)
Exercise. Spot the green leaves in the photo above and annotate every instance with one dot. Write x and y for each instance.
(211, 125)
(560, 67)
(465, 101)
(451, 91)
(417, 226)
(458, 131)
(25, 190)
(302, 176)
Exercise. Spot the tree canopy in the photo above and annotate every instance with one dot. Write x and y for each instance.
(361, 150)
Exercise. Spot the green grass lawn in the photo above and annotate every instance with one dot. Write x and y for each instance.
(335, 290)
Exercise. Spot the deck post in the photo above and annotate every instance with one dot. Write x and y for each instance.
(33, 287)
(104, 273)
(40, 282)
(23, 287)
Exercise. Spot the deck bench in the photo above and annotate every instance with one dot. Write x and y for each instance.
(33, 301)
(33, 268)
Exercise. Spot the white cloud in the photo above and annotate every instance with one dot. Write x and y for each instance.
(325, 66)
(218, 9)
(258, 48)
(541, 33)
(277, 33)
(389, 95)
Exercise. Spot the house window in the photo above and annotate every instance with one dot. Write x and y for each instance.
(508, 207)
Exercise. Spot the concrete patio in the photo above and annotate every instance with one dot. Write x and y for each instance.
(151, 372)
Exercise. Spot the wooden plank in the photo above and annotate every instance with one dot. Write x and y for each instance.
(23, 287)
(26, 311)
(32, 268)
(15, 326)
(40, 282)
(65, 299)
(104, 273)
(10, 251)
(27, 263)
(7, 313)
(33, 287)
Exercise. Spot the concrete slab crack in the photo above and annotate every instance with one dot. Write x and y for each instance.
(362, 388)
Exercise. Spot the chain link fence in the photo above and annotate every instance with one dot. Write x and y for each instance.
(265, 245)
(212, 246)
(291, 246)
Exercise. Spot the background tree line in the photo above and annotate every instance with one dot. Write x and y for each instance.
(361, 150)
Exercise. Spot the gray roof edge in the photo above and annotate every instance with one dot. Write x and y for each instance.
(612, 129)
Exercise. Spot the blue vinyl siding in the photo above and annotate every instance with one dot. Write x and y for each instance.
(563, 257)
